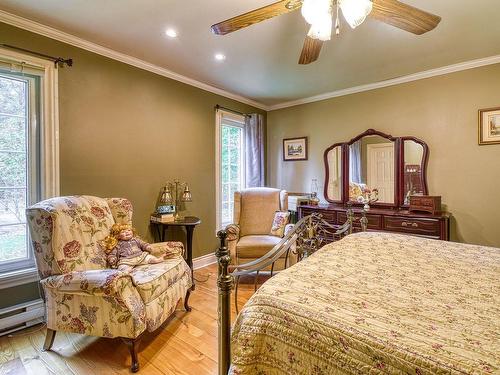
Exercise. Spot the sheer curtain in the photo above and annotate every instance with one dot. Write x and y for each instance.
(355, 162)
(255, 130)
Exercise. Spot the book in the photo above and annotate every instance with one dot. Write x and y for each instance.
(162, 218)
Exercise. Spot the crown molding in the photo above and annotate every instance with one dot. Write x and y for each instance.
(61, 36)
(392, 82)
(50, 32)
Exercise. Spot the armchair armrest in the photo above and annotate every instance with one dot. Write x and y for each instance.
(166, 250)
(105, 282)
(233, 235)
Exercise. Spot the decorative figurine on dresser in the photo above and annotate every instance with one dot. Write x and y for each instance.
(394, 167)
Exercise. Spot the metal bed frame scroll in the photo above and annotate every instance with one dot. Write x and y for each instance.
(307, 235)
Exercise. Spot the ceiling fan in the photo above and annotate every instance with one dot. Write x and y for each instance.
(319, 14)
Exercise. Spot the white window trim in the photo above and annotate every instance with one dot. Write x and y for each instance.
(49, 145)
(219, 115)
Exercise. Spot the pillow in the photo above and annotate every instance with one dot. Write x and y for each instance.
(279, 223)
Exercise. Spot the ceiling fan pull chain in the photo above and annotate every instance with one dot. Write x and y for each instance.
(337, 20)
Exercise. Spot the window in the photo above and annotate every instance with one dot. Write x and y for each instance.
(28, 156)
(18, 166)
(230, 164)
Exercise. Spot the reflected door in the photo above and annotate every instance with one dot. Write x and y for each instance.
(334, 160)
(380, 165)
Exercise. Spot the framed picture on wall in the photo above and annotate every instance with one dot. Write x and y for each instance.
(295, 149)
(489, 126)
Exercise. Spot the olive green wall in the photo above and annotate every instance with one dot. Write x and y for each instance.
(440, 110)
(124, 132)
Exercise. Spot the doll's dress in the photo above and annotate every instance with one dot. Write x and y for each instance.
(131, 253)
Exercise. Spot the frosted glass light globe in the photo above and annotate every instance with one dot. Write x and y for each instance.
(355, 11)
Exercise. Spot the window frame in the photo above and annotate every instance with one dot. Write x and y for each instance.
(46, 125)
(235, 120)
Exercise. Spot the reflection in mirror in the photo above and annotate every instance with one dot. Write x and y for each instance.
(334, 191)
(413, 158)
(371, 167)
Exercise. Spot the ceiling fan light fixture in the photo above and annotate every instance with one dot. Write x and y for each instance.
(355, 11)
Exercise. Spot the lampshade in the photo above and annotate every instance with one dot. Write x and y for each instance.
(314, 11)
(166, 196)
(322, 30)
(355, 11)
(186, 195)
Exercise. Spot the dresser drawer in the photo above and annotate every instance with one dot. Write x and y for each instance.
(328, 215)
(427, 227)
(374, 221)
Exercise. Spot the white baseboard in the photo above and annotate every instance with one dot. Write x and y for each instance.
(204, 260)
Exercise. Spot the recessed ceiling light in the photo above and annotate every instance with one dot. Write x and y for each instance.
(220, 57)
(171, 33)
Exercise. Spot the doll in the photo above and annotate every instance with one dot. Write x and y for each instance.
(124, 250)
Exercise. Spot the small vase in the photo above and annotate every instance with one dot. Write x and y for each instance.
(366, 206)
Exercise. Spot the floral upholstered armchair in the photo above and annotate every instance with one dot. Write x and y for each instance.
(252, 234)
(82, 295)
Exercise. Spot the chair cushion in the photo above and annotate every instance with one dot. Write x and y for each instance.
(151, 280)
(254, 246)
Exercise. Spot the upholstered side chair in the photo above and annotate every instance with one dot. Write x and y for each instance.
(81, 294)
(249, 236)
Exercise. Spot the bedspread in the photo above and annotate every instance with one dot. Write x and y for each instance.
(376, 303)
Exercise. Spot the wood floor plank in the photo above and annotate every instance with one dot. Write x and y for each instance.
(185, 345)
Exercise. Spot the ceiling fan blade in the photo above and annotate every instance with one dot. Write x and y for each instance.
(255, 16)
(310, 50)
(403, 16)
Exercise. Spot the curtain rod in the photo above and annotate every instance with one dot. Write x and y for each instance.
(58, 61)
(231, 110)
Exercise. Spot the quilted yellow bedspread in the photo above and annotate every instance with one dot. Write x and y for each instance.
(376, 303)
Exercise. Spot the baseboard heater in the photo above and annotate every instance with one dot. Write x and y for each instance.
(21, 316)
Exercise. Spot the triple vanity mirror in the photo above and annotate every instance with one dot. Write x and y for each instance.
(387, 168)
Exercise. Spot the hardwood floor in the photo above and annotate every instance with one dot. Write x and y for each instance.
(187, 343)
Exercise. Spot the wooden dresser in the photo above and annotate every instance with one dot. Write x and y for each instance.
(387, 220)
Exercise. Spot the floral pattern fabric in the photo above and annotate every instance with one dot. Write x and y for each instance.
(115, 313)
(121, 209)
(78, 224)
(92, 282)
(376, 303)
(160, 308)
(84, 296)
(151, 280)
(279, 222)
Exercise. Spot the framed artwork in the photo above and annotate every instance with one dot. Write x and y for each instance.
(489, 126)
(295, 149)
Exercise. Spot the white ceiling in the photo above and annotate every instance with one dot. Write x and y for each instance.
(262, 59)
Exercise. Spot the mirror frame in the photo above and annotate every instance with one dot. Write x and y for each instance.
(398, 168)
(423, 167)
(327, 172)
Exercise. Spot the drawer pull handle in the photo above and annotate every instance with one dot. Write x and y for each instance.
(406, 224)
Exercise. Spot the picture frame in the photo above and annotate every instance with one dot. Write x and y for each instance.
(489, 126)
(295, 149)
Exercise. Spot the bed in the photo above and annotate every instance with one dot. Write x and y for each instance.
(375, 303)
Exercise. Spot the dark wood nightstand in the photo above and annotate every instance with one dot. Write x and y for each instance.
(189, 223)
